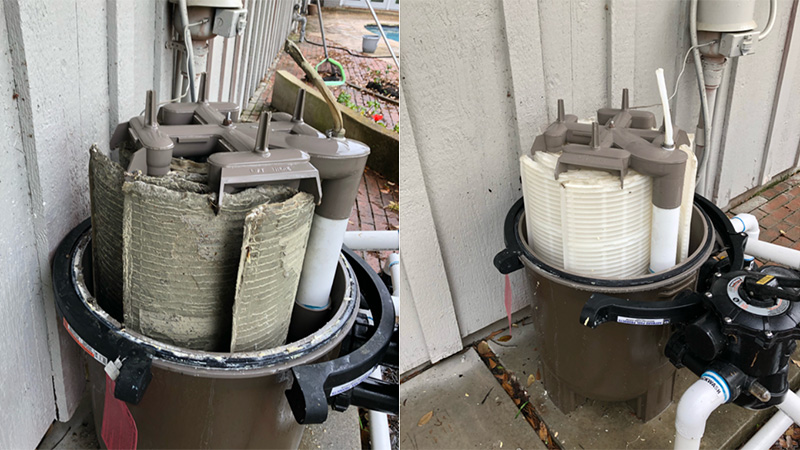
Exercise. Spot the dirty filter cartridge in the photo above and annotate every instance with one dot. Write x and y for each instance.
(205, 281)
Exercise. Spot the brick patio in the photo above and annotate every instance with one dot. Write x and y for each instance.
(377, 200)
(359, 72)
(777, 209)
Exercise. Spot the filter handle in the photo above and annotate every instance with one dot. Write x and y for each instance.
(339, 381)
(601, 308)
(508, 260)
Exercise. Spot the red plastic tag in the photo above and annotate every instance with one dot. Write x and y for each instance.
(508, 302)
(119, 428)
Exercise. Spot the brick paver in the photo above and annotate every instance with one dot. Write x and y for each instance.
(777, 209)
(372, 209)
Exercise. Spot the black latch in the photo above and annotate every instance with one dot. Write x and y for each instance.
(134, 377)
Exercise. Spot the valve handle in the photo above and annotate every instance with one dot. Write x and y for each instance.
(601, 308)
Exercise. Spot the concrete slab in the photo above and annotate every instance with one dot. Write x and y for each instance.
(470, 409)
(749, 205)
(598, 424)
(340, 431)
(79, 432)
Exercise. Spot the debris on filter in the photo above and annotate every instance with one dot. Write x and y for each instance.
(274, 234)
(168, 265)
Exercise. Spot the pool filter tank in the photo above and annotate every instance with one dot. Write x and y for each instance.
(605, 211)
(189, 273)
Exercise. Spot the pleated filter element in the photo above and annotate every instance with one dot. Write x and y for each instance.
(585, 222)
(542, 198)
(606, 228)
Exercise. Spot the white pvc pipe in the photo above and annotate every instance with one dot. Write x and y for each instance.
(664, 238)
(746, 223)
(392, 267)
(187, 41)
(773, 252)
(669, 143)
(372, 240)
(770, 431)
(379, 423)
(773, 13)
(319, 265)
(791, 406)
(696, 405)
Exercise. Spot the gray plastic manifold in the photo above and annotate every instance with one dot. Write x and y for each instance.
(228, 170)
(622, 139)
(203, 129)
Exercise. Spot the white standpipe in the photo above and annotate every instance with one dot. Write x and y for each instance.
(319, 267)
(696, 405)
(666, 222)
(775, 427)
(379, 423)
(669, 143)
(664, 238)
(372, 240)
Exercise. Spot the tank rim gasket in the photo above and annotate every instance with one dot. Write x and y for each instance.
(99, 331)
(518, 210)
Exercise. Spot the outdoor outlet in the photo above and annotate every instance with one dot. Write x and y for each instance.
(732, 45)
(229, 23)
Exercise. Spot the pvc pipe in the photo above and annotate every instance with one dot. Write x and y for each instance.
(379, 423)
(187, 42)
(791, 406)
(770, 431)
(773, 13)
(773, 252)
(392, 267)
(319, 266)
(713, 69)
(694, 408)
(703, 134)
(746, 223)
(372, 240)
(664, 238)
(669, 143)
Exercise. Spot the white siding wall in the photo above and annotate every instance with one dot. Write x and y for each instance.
(70, 70)
(481, 80)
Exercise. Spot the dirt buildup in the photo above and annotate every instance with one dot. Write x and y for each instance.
(384, 88)
(177, 268)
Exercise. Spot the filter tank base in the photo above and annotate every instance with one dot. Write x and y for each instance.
(646, 406)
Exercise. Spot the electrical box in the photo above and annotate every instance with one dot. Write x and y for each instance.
(738, 44)
(229, 22)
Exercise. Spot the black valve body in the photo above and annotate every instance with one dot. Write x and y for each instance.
(744, 330)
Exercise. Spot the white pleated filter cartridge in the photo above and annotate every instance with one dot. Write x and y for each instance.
(542, 197)
(586, 222)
